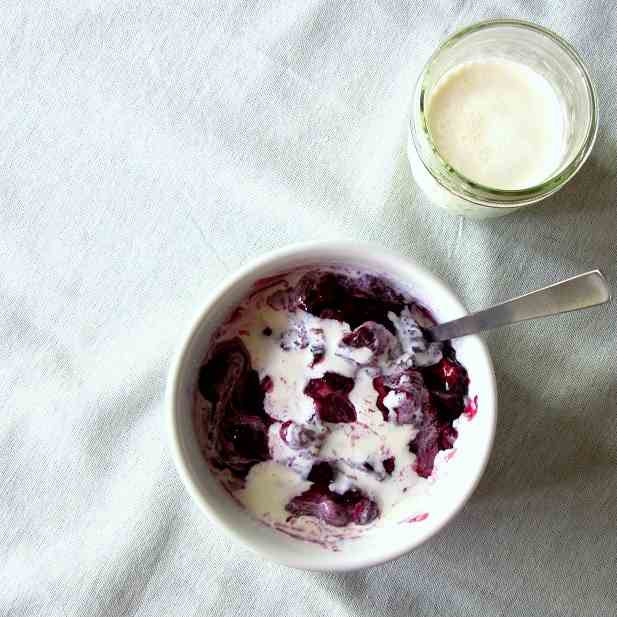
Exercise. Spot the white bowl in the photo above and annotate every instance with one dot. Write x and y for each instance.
(456, 478)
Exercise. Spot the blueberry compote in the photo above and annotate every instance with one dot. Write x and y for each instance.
(320, 399)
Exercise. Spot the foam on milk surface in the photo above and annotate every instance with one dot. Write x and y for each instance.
(497, 122)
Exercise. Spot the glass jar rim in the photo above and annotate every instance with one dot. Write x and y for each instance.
(479, 193)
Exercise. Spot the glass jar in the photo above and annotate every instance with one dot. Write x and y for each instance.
(530, 45)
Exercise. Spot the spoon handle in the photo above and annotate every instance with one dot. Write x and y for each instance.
(572, 294)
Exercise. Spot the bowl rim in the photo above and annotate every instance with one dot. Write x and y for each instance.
(180, 358)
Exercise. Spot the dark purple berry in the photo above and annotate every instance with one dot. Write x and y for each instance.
(330, 394)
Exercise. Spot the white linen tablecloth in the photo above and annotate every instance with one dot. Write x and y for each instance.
(147, 149)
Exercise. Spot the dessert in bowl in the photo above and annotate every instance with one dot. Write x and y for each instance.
(312, 419)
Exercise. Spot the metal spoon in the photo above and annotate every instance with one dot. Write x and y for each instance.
(572, 294)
